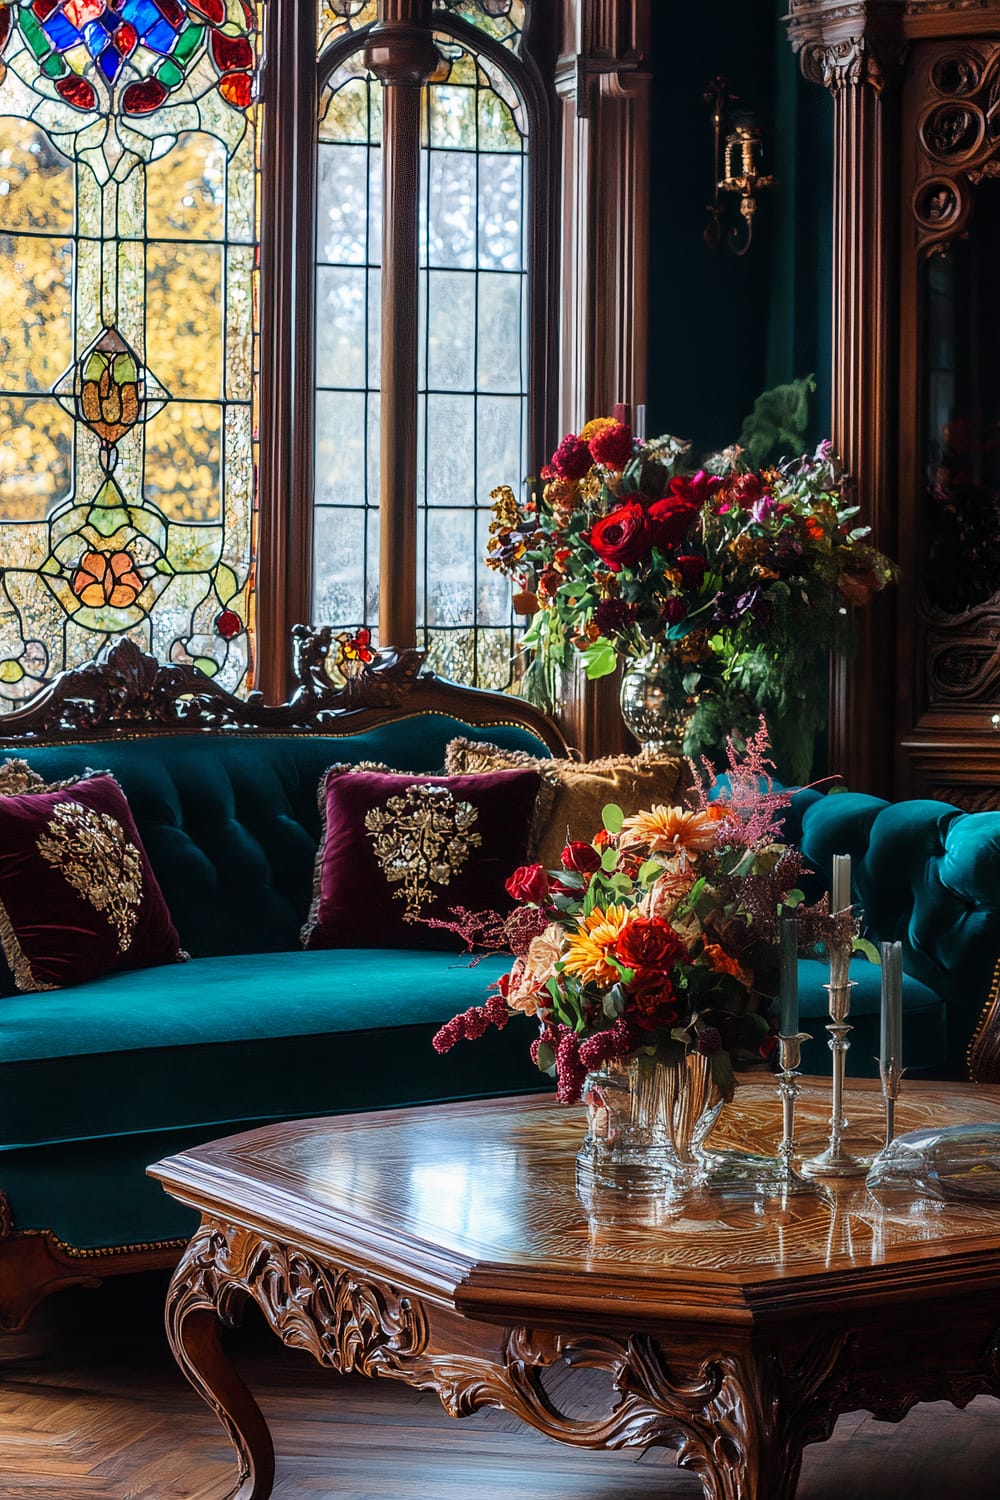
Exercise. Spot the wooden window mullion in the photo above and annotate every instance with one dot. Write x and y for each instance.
(401, 54)
(285, 520)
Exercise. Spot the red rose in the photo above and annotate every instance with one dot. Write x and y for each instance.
(744, 490)
(653, 1000)
(572, 459)
(528, 883)
(612, 446)
(623, 537)
(581, 857)
(648, 943)
(692, 570)
(670, 520)
(674, 611)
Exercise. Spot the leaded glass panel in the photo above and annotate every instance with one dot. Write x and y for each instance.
(472, 393)
(128, 230)
(501, 19)
(338, 18)
(348, 305)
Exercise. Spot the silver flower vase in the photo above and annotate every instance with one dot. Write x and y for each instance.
(647, 1121)
(653, 704)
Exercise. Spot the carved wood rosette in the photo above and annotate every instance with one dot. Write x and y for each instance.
(916, 88)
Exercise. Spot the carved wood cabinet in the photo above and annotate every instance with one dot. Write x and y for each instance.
(916, 86)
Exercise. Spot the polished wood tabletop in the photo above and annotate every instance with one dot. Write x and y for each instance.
(448, 1246)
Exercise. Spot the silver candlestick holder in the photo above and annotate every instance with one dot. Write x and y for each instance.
(836, 1161)
(789, 1058)
(891, 1075)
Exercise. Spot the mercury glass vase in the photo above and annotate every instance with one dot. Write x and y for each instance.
(648, 1119)
(653, 705)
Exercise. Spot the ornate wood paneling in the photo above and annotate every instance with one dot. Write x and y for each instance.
(916, 85)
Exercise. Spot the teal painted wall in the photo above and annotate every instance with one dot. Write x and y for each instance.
(723, 328)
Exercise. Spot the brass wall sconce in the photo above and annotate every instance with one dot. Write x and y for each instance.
(737, 160)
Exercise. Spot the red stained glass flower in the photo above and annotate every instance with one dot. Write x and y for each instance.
(107, 578)
(77, 91)
(228, 624)
(215, 10)
(142, 98)
(231, 52)
(237, 89)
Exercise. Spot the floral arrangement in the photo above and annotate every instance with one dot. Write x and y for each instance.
(740, 576)
(660, 935)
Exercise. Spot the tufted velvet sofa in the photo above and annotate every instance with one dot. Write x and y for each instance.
(925, 874)
(98, 1080)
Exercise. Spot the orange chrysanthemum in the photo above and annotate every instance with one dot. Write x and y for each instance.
(724, 963)
(594, 426)
(587, 948)
(674, 830)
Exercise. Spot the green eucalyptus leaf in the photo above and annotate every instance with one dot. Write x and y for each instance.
(546, 1059)
(609, 859)
(612, 818)
(649, 871)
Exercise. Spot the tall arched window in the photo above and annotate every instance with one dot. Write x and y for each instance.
(128, 259)
(482, 127)
(284, 289)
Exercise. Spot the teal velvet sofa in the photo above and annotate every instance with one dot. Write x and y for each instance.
(98, 1080)
(925, 874)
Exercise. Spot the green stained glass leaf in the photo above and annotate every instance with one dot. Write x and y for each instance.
(207, 665)
(226, 583)
(170, 74)
(189, 41)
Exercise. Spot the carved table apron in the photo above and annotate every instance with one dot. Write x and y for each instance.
(447, 1247)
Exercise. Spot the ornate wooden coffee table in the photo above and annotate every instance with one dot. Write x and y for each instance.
(446, 1247)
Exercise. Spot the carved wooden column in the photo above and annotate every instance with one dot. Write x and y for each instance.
(402, 56)
(603, 80)
(285, 538)
(838, 49)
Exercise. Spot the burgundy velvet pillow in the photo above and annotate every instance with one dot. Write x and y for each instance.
(78, 897)
(396, 849)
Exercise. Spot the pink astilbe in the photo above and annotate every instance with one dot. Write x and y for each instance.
(752, 803)
(471, 1024)
(483, 930)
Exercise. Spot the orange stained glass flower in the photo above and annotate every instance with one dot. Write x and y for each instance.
(674, 830)
(107, 578)
(586, 953)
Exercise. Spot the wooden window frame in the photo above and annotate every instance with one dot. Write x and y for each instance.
(584, 77)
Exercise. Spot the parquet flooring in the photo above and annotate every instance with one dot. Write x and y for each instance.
(92, 1408)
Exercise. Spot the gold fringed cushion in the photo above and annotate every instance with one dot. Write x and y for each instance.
(582, 788)
(400, 852)
(78, 897)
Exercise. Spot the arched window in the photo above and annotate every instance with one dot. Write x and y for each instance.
(483, 133)
(128, 229)
(284, 290)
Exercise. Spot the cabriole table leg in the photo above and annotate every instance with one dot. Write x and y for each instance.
(197, 1302)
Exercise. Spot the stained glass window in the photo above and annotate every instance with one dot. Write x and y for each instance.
(339, 16)
(472, 382)
(128, 263)
(501, 19)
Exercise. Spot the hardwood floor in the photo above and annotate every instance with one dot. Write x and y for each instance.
(92, 1408)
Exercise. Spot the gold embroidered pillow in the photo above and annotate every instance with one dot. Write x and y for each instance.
(78, 897)
(397, 849)
(582, 788)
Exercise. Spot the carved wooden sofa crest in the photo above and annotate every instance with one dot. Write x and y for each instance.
(100, 1079)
